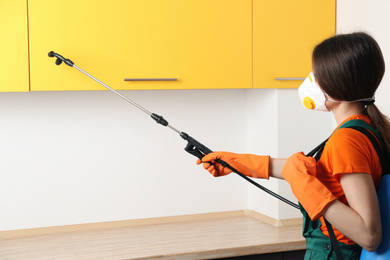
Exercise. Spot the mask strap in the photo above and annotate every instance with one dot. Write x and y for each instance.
(365, 101)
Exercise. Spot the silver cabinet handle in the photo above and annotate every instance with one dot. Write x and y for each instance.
(290, 78)
(151, 79)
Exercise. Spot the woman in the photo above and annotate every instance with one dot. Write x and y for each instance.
(341, 185)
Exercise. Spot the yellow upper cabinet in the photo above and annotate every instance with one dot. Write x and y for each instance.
(14, 74)
(201, 43)
(285, 33)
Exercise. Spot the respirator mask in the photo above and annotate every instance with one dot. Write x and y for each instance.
(311, 95)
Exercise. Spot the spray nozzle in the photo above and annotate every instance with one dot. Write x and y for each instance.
(60, 59)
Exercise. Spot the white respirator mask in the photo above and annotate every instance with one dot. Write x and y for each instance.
(311, 95)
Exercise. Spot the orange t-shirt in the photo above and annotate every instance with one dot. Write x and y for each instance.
(347, 151)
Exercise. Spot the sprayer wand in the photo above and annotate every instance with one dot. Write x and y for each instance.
(193, 146)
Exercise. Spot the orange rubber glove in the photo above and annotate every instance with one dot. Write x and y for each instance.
(313, 195)
(255, 166)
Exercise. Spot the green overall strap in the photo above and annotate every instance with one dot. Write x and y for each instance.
(333, 241)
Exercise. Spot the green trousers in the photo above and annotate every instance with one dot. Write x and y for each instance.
(319, 247)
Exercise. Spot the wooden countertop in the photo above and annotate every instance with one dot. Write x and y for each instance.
(203, 236)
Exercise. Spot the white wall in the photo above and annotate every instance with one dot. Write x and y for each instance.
(82, 157)
(372, 17)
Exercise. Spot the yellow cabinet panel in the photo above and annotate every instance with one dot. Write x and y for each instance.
(202, 43)
(285, 33)
(14, 73)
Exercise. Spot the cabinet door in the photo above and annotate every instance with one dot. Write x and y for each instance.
(202, 43)
(14, 74)
(285, 33)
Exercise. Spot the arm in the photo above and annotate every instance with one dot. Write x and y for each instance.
(256, 166)
(361, 220)
(275, 167)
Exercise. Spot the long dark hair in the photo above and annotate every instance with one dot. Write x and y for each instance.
(350, 67)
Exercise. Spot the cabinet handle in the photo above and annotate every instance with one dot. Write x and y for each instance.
(151, 79)
(290, 78)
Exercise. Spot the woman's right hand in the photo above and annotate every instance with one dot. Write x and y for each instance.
(256, 166)
(216, 169)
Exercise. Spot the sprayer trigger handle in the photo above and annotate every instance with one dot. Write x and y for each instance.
(190, 148)
(194, 147)
(200, 150)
